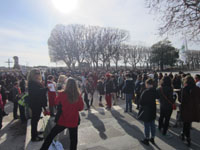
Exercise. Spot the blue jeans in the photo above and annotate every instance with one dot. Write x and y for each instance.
(149, 126)
(129, 102)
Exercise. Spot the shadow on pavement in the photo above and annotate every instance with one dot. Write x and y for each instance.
(174, 141)
(98, 124)
(130, 129)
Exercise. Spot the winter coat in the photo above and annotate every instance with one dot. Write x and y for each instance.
(37, 94)
(100, 87)
(108, 86)
(148, 104)
(138, 87)
(70, 111)
(166, 104)
(190, 104)
(128, 87)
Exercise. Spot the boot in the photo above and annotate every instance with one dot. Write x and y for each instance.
(188, 142)
(152, 141)
(145, 141)
(182, 136)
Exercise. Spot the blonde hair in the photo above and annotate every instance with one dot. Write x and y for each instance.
(32, 75)
(72, 90)
(61, 79)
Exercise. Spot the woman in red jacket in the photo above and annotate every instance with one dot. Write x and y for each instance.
(72, 103)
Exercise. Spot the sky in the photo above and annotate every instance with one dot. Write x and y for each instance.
(25, 25)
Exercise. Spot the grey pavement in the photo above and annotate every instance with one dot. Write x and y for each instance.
(101, 129)
(12, 135)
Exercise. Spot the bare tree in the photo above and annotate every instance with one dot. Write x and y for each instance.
(59, 47)
(178, 16)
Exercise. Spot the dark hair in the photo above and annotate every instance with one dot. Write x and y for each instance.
(166, 81)
(16, 83)
(189, 80)
(149, 81)
(50, 77)
(128, 75)
(197, 76)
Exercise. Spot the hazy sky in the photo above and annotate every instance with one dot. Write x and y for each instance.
(26, 25)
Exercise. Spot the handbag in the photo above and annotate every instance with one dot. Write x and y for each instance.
(58, 114)
(173, 104)
(140, 115)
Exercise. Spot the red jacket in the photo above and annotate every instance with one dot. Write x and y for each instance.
(70, 112)
(1, 102)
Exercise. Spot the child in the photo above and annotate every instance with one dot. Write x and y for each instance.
(148, 104)
(51, 93)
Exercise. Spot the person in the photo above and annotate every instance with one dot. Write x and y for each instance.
(197, 80)
(148, 104)
(165, 93)
(4, 97)
(128, 89)
(100, 89)
(51, 93)
(61, 82)
(115, 89)
(91, 89)
(120, 84)
(71, 102)
(85, 88)
(38, 100)
(190, 107)
(16, 93)
(1, 109)
(138, 83)
(108, 86)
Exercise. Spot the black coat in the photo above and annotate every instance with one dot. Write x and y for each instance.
(37, 95)
(148, 104)
(190, 104)
(164, 103)
(129, 87)
(100, 87)
(108, 86)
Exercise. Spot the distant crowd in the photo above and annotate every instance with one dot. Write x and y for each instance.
(62, 94)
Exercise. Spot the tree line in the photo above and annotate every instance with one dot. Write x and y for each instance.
(94, 46)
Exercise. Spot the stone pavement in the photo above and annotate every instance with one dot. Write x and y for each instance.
(12, 135)
(101, 129)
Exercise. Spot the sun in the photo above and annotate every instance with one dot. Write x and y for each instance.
(65, 6)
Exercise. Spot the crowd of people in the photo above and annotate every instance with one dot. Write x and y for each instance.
(63, 94)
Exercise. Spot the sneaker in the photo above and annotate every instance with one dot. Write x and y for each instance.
(145, 141)
(37, 139)
(152, 141)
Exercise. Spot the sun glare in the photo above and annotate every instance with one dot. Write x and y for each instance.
(65, 6)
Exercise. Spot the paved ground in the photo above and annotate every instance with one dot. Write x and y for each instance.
(12, 135)
(115, 130)
(101, 130)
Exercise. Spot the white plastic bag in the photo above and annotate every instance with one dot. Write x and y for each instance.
(56, 145)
